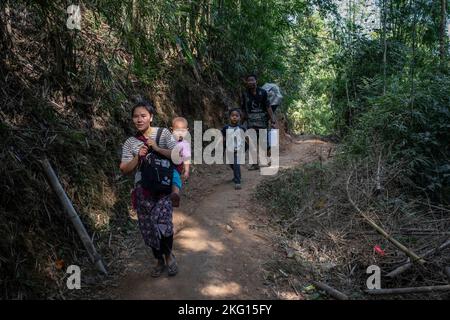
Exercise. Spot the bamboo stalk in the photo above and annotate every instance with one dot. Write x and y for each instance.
(443, 36)
(378, 189)
(409, 264)
(380, 230)
(330, 290)
(73, 216)
(409, 290)
(8, 19)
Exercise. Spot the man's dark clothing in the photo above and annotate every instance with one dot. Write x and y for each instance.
(255, 107)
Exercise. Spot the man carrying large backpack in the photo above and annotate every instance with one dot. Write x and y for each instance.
(258, 112)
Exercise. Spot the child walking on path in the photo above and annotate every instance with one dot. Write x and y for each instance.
(234, 131)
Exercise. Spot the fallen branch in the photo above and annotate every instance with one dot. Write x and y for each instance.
(401, 232)
(331, 291)
(409, 264)
(434, 206)
(400, 246)
(73, 216)
(424, 232)
(409, 290)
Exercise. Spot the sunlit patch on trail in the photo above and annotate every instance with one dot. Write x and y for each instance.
(196, 240)
(221, 290)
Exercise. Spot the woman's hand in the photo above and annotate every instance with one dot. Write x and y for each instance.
(185, 176)
(152, 144)
(143, 151)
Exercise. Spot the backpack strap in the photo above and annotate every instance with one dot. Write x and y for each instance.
(158, 135)
(142, 138)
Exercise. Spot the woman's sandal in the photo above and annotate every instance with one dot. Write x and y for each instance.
(158, 269)
(173, 267)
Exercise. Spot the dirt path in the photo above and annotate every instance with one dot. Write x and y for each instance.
(219, 252)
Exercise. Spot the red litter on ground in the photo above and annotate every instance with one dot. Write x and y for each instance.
(378, 250)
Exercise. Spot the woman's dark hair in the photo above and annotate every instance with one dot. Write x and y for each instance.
(235, 110)
(144, 104)
(251, 75)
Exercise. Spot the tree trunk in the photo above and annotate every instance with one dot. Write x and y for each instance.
(8, 19)
(413, 58)
(5, 27)
(384, 47)
(135, 16)
(443, 36)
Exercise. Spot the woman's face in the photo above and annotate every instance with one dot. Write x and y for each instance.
(142, 118)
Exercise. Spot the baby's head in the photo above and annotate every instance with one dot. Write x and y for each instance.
(179, 128)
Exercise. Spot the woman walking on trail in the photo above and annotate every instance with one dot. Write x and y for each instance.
(154, 209)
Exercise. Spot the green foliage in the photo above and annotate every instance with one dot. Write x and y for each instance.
(309, 108)
(417, 132)
(229, 38)
(362, 77)
(383, 88)
(311, 114)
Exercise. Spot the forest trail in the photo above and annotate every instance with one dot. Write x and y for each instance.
(219, 247)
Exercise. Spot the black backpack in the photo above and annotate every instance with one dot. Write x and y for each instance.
(156, 170)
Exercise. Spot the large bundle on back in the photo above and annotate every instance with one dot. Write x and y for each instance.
(273, 93)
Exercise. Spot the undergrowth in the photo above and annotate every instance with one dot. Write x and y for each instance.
(326, 239)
